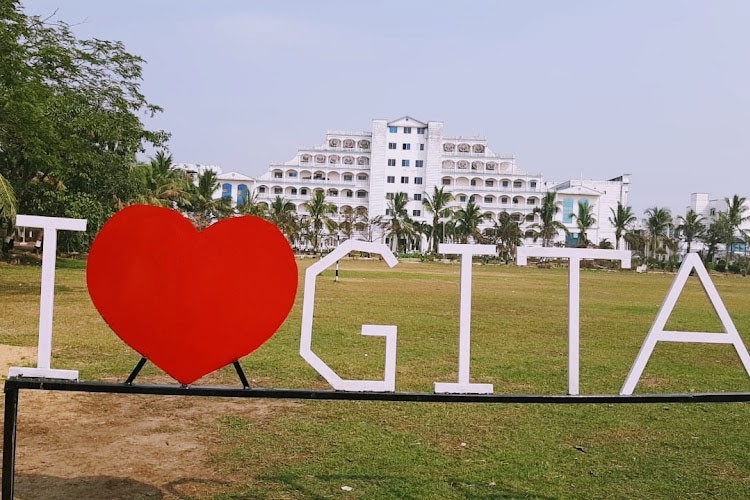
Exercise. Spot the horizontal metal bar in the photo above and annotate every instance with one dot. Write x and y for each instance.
(426, 397)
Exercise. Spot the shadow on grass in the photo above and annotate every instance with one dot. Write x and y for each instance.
(39, 486)
(318, 487)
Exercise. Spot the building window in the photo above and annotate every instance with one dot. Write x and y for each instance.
(489, 184)
(416, 213)
(294, 191)
(391, 179)
(505, 184)
(531, 201)
(391, 145)
(242, 194)
(419, 163)
(389, 196)
(404, 180)
(568, 210)
(473, 182)
(387, 211)
(348, 177)
(517, 184)
(226, 190)
(418, 197)
(404, 163)
(504, 200)
(421, 130)
(292, 174)
(277, 190)
(406, 146)
(446, 182)
(303, 191)
(532, 185)
(417, 180)
(361, 194)
(407, 130)
(392, 130)
(391, 162)
(462, 198)
(362, 177)
(278, 175)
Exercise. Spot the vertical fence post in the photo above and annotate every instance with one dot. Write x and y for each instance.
(9, 438)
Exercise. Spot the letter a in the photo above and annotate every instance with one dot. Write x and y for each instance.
(657, 332)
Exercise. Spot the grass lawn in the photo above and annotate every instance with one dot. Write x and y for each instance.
(519, 344)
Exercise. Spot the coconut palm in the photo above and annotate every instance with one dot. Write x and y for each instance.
(251, 206)
(159, 183)
(658, 222)
(8, 201)
(621, 219)
(506, 235)
(547, 227)
(319, 216)
(690, 227)
(736, 214)
(202, 207)
(283, 214)
(352, 220)
(468, 220)
(584, 220)
(719, 231)
(437, 205)
(397, 224)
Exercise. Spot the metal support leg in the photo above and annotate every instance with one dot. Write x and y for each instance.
(9, 439)
(136, 371)
(241, 374)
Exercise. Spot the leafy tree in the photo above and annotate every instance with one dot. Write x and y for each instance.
(398, 225)
(584, 220)
(70, 125)
(719, 231)
(251, 206)
(437, 205)
(506, 235)
(621, 219)
(7, 200)
(658, 222)
(468, 220)
(319, 217)
(690, 227)
(548, 228)
(159, 183)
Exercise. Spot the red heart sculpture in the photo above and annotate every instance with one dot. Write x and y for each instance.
(191, 302)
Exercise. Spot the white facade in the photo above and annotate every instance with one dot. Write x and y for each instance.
(702, 204)
(364, 169)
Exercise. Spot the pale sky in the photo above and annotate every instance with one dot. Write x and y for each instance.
(656, 89)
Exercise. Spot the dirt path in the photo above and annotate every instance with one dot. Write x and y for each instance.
(97, 446)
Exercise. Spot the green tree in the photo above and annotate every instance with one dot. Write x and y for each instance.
(7, 200)
(159, 183)
(352, 220)
(658, 222)
(319, 212)
(690, 227)
(621, 218)
(70, 125)
(251, 206)
(398, 226)
(468, 220)
(437, 205)
(719, 231)
(202, 207)
(283, 214)
(736, 214)
(584, 220)
(506, 235)
(548, 228)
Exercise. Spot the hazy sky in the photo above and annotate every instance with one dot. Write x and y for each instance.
(657, 89)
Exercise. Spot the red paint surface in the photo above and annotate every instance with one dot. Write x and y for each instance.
(191, 302)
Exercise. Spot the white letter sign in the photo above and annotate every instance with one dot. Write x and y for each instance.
(657, 332)
(574, 294)
(464, 320)
(46, 304)
(388, 384)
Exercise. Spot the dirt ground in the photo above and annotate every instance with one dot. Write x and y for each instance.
(104, 446)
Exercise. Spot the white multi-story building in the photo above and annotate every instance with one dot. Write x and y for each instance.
(709, 209)
(363, 170)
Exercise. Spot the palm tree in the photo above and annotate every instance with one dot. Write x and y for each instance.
(468, 220)
(658, 223)
(397, 224)
(159, 183)
(690, 227)
(203, 208)
(8, 201)
(352, 220)
(736, 214)
(437, 204)
(319, 216)
(719, 231)
(251, 206)
(584, 220)
(621, 219)
(283, 214)
(506, 235)
(547, 228)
